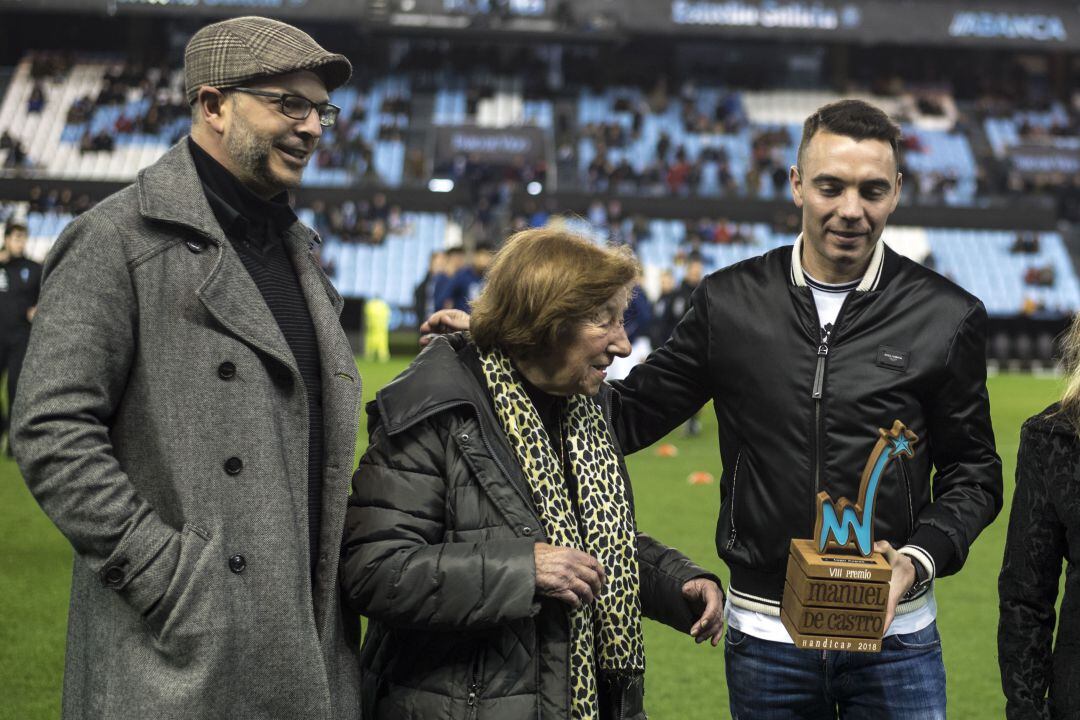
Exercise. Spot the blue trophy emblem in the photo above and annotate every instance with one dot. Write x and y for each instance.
(844, 524)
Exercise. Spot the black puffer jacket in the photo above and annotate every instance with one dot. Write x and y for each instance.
(796, 418)
(438, 554)
(1044, 531)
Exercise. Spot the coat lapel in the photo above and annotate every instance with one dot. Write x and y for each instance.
(170, 191)
(232, 297)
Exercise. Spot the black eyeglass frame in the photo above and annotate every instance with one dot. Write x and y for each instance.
(282, 98)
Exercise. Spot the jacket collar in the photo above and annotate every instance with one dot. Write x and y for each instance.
(871, 278)
(171, 191)
(436, 380)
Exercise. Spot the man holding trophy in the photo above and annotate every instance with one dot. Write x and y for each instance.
(818, 357)
(825, 359)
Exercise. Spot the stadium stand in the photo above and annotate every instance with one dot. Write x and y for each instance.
(708, 141)
(501, 103)
(81, 134)
(981, 261)
(717, 140)
(625, 135)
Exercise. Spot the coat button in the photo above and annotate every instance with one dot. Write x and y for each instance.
(196, 246)
(237, 563)
(526, 531)
(226, 370)
(114, 576)
(234, 465)
(464, 437)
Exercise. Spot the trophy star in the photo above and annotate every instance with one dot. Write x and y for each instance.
(901, 445)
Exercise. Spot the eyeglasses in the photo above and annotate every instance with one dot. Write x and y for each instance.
(298, 107)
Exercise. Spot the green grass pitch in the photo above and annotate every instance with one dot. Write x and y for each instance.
(684, 681)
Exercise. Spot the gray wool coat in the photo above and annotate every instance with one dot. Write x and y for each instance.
(154, 364)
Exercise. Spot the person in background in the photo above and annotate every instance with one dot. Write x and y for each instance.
(1041, 677)
(445, 286)
(376, 330)
(659, 331)
(670, 310)
(638, 320)
(20, 284)
(424, 294)
(466, 283)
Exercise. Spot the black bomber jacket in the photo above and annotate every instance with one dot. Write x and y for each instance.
(797, 416)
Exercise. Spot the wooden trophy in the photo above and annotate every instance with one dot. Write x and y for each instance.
(837, 587)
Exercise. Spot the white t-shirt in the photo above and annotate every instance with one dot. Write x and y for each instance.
(828, 299)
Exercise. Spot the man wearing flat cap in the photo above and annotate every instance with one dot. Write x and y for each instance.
(188, 410)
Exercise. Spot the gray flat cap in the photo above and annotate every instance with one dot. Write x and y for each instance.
(235, 51)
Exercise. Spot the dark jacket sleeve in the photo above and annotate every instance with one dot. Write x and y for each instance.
(967, 486)
(395, 565)
(665, 390)
(663, 572)
(1028, 584)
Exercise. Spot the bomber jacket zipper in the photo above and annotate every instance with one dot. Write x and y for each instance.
(817, 394)
(734, 479)
(910, 506)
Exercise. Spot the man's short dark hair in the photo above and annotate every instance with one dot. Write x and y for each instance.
(854, 119)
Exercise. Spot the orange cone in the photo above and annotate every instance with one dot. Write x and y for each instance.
(667, 450)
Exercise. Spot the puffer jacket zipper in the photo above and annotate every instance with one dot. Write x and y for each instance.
(483, 438)
(475, 686)
(506, 474)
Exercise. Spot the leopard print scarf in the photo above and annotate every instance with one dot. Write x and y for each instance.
(605, 634)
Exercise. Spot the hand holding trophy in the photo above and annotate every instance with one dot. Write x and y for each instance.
(836, 595)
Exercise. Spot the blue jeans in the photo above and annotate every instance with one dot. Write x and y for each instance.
(775, 681)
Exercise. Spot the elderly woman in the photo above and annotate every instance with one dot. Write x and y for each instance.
(1042, 680)
(490, 535)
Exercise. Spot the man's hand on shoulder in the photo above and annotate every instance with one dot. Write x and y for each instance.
(441, 323)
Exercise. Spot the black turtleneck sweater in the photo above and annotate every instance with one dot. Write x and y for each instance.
(256, 228)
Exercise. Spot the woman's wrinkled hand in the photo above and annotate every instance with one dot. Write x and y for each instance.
(441, 323)
(706, 597)
(566, 574)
